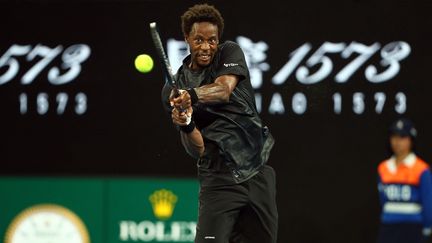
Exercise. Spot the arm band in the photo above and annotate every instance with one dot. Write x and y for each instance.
(193, 95)
(188, 128)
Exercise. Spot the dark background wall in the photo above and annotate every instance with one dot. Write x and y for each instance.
(112, 123)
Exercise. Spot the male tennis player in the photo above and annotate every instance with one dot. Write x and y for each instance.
(219, 125)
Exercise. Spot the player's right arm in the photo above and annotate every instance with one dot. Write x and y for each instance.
(192, 140)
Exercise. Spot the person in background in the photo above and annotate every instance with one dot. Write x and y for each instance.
(405, 189)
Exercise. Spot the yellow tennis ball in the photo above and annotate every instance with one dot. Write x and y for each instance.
(144, 63)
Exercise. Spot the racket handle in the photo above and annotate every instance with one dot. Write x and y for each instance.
(176, 92)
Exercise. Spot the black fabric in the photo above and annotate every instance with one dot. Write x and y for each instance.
(401, 233)
(241, 140)
(188, 128)
(244, 212)
(193, 95)
(212, 169)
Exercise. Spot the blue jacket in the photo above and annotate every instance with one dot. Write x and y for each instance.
(405, 191)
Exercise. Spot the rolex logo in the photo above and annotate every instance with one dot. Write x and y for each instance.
(163, 202)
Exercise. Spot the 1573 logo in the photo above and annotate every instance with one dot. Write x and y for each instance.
(42, 56)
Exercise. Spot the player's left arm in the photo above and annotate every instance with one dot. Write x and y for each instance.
(191, 137)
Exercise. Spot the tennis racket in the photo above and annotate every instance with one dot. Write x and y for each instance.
(166, 66)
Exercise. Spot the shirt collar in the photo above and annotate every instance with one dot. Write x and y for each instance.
(409, 162)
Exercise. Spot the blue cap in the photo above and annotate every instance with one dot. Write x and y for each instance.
(403, 127)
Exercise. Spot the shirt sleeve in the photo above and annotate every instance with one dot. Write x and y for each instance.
(232, 61)
(426, 197)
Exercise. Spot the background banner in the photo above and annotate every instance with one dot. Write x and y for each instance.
(98, 210)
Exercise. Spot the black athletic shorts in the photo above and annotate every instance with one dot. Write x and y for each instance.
(244, 212)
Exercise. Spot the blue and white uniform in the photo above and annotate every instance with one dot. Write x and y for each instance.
(406, 198)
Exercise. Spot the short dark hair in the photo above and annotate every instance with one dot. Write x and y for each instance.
(202, 13)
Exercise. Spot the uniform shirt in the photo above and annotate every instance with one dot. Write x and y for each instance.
(236, 143)
(405, 191)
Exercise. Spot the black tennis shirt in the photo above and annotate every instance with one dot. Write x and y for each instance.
(236, 142)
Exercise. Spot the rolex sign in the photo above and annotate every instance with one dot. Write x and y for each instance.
(97, 210)
(153, 211)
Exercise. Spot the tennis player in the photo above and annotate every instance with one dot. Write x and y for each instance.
(219, 126)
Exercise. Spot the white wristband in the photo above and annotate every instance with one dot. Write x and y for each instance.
(188, 119)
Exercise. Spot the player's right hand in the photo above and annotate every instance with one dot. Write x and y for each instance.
(181, 118)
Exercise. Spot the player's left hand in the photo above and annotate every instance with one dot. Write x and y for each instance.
(182, 102)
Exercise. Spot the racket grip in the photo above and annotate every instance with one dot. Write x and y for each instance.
(176, 92)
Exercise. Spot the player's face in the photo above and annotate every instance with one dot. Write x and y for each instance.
(203, 41)
(401, 145)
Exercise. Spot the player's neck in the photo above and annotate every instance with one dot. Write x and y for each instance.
(194, 67)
